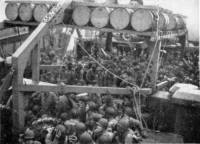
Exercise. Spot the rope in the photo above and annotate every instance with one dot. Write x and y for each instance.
(106, 68)
(157, 31)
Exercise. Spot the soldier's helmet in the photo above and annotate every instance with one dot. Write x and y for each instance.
(29, 134)
(123, 124)
(104, 139)
(110, 112)
(92, 105)
(61, 128)
(128, 111)
(95, 117)
(103, 123)
(86, 138)
(64, 116)
(79, 128)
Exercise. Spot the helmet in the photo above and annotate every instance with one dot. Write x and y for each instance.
(73, 96)
(103, 122)
(104, 139)
(61, 128)
(29, 134)
(123, 124)
(36, 109)
(85, 138)
(110, 111)
(91, 105)
(52, 53)
(74, 113)
(80, 127)
(128, 111)
(133, 122)
(64, 116)
(96, 117)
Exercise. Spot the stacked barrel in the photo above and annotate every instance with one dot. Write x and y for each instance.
(118, 18)
(26, 12)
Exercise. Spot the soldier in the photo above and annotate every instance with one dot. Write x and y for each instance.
(100, 77)
(85, 70)
(86, 138)
(78, 73)
(69, 124)
(135, 124)
(80, 128)
(69, 78)
(91, 74)
(110, 115)
(124, 135)
(102, 130)
(28, 137)
(56, 135)
(95, 51)
(110, 78)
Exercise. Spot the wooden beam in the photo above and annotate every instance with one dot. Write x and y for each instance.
(182, 41)
(35, 63)
(148, 33)
(41, 86)
(11, 32)
(18, 107)
(21, 56)
(33, 1)
(162, 85)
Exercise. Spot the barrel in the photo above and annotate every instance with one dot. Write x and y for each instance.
(143, 20)
(180, 23)
(163, 21)
(172, 23)
(120, 18)
(81, 15)
(26, 12)
(11, 11)
(40, 11)
(100, 17)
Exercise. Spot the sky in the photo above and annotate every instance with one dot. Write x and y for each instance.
(189, 8)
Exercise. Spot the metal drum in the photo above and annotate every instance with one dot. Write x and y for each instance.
(120, 18)
(163, 21)
(143, 20)
(40, 11)
(26, 12)
(100, 17)
(81, 15)
(172, 23)
(11, 11)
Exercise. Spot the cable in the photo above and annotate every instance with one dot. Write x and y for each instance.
(105, 68)
(157, 31)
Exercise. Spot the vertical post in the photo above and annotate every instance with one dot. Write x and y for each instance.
(109, 41)
(18, 104)
(199, 67)
(155, 60)
(182, 41)
(36, 63)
